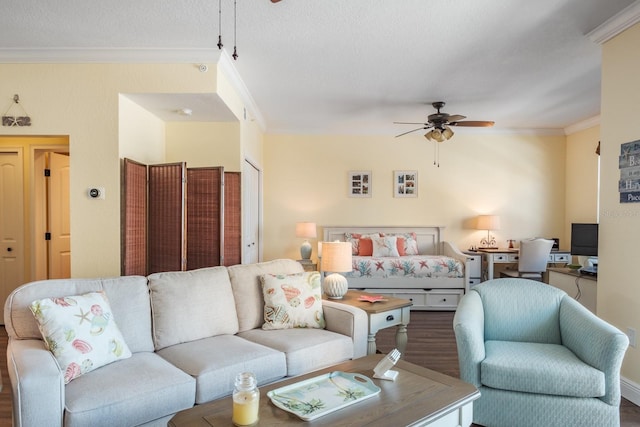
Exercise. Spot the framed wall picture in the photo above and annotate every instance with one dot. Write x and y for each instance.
(359, 183)
(405, 183)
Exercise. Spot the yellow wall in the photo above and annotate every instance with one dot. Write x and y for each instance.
(618, 293)
(202, 144)
(142, 135)
(521, 178)
(581, 173)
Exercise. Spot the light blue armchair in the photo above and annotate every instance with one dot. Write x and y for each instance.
(538, 357)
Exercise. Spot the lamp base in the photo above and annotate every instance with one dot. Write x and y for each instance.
(335, 286)
(305, 250)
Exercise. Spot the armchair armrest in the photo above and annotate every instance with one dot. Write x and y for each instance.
(468, 326)
(350, 321)
(595, 342)
(37, 384)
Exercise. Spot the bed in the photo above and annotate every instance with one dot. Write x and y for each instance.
(434, 278)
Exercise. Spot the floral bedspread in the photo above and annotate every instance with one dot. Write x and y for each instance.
(417, 266)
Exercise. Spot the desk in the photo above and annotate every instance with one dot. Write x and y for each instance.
(510, 256)
(581, 287)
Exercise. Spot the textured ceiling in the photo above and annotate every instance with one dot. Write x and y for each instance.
(349, 66)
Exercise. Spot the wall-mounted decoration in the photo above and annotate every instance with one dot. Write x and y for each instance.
(629, 165)
(405, 183)
(359, 183)
(15, 120)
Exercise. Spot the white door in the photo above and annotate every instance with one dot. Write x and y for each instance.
(11, 223)
(59, 223)
(251, 197)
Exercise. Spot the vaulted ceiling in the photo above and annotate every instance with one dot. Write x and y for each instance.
(348, 66)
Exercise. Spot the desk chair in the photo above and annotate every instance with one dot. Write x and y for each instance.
(532, 260)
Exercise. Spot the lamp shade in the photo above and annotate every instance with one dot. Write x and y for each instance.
(488, 222)
(336, 257)
(306, 230)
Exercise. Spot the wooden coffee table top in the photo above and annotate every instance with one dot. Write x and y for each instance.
(417, 394)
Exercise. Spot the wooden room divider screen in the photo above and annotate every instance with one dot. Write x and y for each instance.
(177, 218)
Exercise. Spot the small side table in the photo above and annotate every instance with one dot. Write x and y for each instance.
(308, 265)
(383, 314)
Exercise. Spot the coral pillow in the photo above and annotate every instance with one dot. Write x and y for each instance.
(385, 246)
(80, 331)
(365, 247)
(354, 239)
(292, 301)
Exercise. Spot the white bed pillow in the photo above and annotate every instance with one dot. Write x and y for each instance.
(385, 246)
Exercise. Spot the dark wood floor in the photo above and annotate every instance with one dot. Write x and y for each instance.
(431, 344)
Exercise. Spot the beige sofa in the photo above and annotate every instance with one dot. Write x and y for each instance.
(189, 333)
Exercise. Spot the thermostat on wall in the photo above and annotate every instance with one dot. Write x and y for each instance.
(96, 193)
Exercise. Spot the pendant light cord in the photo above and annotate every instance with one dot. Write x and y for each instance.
(220, 25)
(235, 25)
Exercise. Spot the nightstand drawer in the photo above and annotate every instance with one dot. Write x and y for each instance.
(500, 257)
(384, 320)
(513, 257)
(444, 299)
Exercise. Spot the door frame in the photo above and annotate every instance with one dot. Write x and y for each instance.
(246, 192)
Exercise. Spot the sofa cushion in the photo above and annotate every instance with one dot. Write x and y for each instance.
(539, 368)
(190, 305)
(154, 388)
(80, 331)
(292, 300)
(214, 363)
(129, 298)
(247, 291)
(305, 349)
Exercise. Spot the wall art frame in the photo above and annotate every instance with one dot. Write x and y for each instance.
(360, 184)
(405, 183)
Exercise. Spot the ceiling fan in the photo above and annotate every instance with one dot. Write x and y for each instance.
(440, 124)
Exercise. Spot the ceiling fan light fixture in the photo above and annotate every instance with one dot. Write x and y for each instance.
(447, 132)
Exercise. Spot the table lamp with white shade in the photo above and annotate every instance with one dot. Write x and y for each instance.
(306, 230)
(336, 259)
(489, 223)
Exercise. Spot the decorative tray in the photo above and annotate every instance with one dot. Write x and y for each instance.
(318, 396)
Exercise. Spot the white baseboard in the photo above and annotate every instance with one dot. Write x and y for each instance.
(630, 390)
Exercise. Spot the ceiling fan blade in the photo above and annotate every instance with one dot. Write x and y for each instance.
(275, 1)
(473, 123)
(424, 127)
(456, 118)
(410, 123)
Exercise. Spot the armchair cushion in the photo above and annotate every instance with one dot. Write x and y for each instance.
(539, 368)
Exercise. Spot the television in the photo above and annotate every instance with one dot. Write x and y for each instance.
(584, 239)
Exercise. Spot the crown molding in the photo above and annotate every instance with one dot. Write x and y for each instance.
(108, 55)
(585, 124)
(616, 24)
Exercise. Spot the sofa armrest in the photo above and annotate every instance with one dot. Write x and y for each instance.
(348, 320)
(468, 326)
(595, 342)
(37, 384)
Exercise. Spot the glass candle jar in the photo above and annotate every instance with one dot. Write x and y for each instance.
(246, 400)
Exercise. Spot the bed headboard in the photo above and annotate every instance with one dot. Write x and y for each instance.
(429, 238)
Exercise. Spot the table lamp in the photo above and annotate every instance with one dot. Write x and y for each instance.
(306, 230)
(336, 258)
(488, 222)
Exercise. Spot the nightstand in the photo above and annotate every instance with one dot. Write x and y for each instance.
(381, 315)
(308, 265)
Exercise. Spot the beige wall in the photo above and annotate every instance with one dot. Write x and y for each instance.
(618, 293)
(142, 135)
(581, 173)
(203, 144)
(520, 178)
